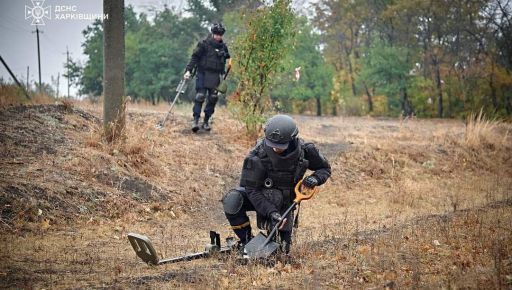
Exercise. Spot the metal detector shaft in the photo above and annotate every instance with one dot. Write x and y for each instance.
(278, 225)
(179, 90)
(145, 250)
(299, 196)
(194, 256)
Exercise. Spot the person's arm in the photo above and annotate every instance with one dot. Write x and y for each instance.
(196, 56)
(262, 205)
(226, 57)
(317, 163)
(227, 52)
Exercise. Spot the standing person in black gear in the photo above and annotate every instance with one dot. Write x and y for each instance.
(209, 57)
(269, 175)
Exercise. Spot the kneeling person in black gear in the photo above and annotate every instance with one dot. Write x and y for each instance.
(209, 57)
(269, 175)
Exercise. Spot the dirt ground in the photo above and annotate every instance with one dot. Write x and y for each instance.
(411, 203)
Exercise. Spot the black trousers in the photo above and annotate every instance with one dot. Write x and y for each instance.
(241, 218)
(205, 84)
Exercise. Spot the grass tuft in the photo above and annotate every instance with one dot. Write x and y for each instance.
(483, 132)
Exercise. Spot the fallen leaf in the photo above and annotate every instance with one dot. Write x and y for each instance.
(45, 224)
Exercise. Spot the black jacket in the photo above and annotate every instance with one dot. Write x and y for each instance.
(257, 172)
(209, 55)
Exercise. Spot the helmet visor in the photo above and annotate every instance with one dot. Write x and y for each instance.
(276, 145)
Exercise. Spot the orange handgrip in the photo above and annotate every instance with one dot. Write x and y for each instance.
(299, 196)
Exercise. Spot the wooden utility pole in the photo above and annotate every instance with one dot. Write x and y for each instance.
(38, 57)
(14, 77)
(113, 69)
(67, 66)
(58, 84)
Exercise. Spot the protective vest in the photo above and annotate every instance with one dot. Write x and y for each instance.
(273, 171)
(215, 58)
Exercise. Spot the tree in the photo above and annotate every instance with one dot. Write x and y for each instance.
(113, 70)
(214, 10)
(315, 75)
(156, 53)
(91, 80)
(261, 47)
(387, 69)
(75, 71)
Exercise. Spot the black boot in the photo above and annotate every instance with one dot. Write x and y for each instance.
(245, 235)
(195, 125)
(205, 125)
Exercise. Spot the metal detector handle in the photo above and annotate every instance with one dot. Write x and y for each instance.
(309, 192)
(299, 197)
(180, 86)
(179, 91)
(229, 68)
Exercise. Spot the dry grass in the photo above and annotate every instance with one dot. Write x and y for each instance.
(484, 132)
(11, 95)
(410, 205)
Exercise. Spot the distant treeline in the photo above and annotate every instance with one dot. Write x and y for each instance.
(381, 57)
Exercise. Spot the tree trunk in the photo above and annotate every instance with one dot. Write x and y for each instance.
(113, 69)
(318, 106)
(508, 103)
(439, 88)
(370, 100)
(352, 80)
(493, 89)
(406, 104)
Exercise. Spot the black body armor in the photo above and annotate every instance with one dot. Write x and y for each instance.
(215, 58)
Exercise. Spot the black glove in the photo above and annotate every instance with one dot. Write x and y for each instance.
(310, 181)
(275, 218)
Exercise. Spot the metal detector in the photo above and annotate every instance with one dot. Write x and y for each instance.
(145, 250)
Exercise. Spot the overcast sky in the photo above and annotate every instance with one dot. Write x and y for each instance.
(18, 45)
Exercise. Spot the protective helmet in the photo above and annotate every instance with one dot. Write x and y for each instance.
(218, 28)
(279, 131)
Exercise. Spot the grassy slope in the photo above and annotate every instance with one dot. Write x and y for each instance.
(411, 203)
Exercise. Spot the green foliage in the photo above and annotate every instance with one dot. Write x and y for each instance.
(386, 69)
(91, 81)
(386, 56)
(156, 53)
(155, 57)
(422, 96)
(212, 10)
(261, 48)
(459, 50)
(315, 80)
(75, 71)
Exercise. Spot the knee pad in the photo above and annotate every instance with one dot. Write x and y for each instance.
(200, 97)
(232, 201)
(213, 98)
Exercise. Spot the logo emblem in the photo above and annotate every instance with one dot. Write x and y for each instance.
(37, 12)
(275, 136)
